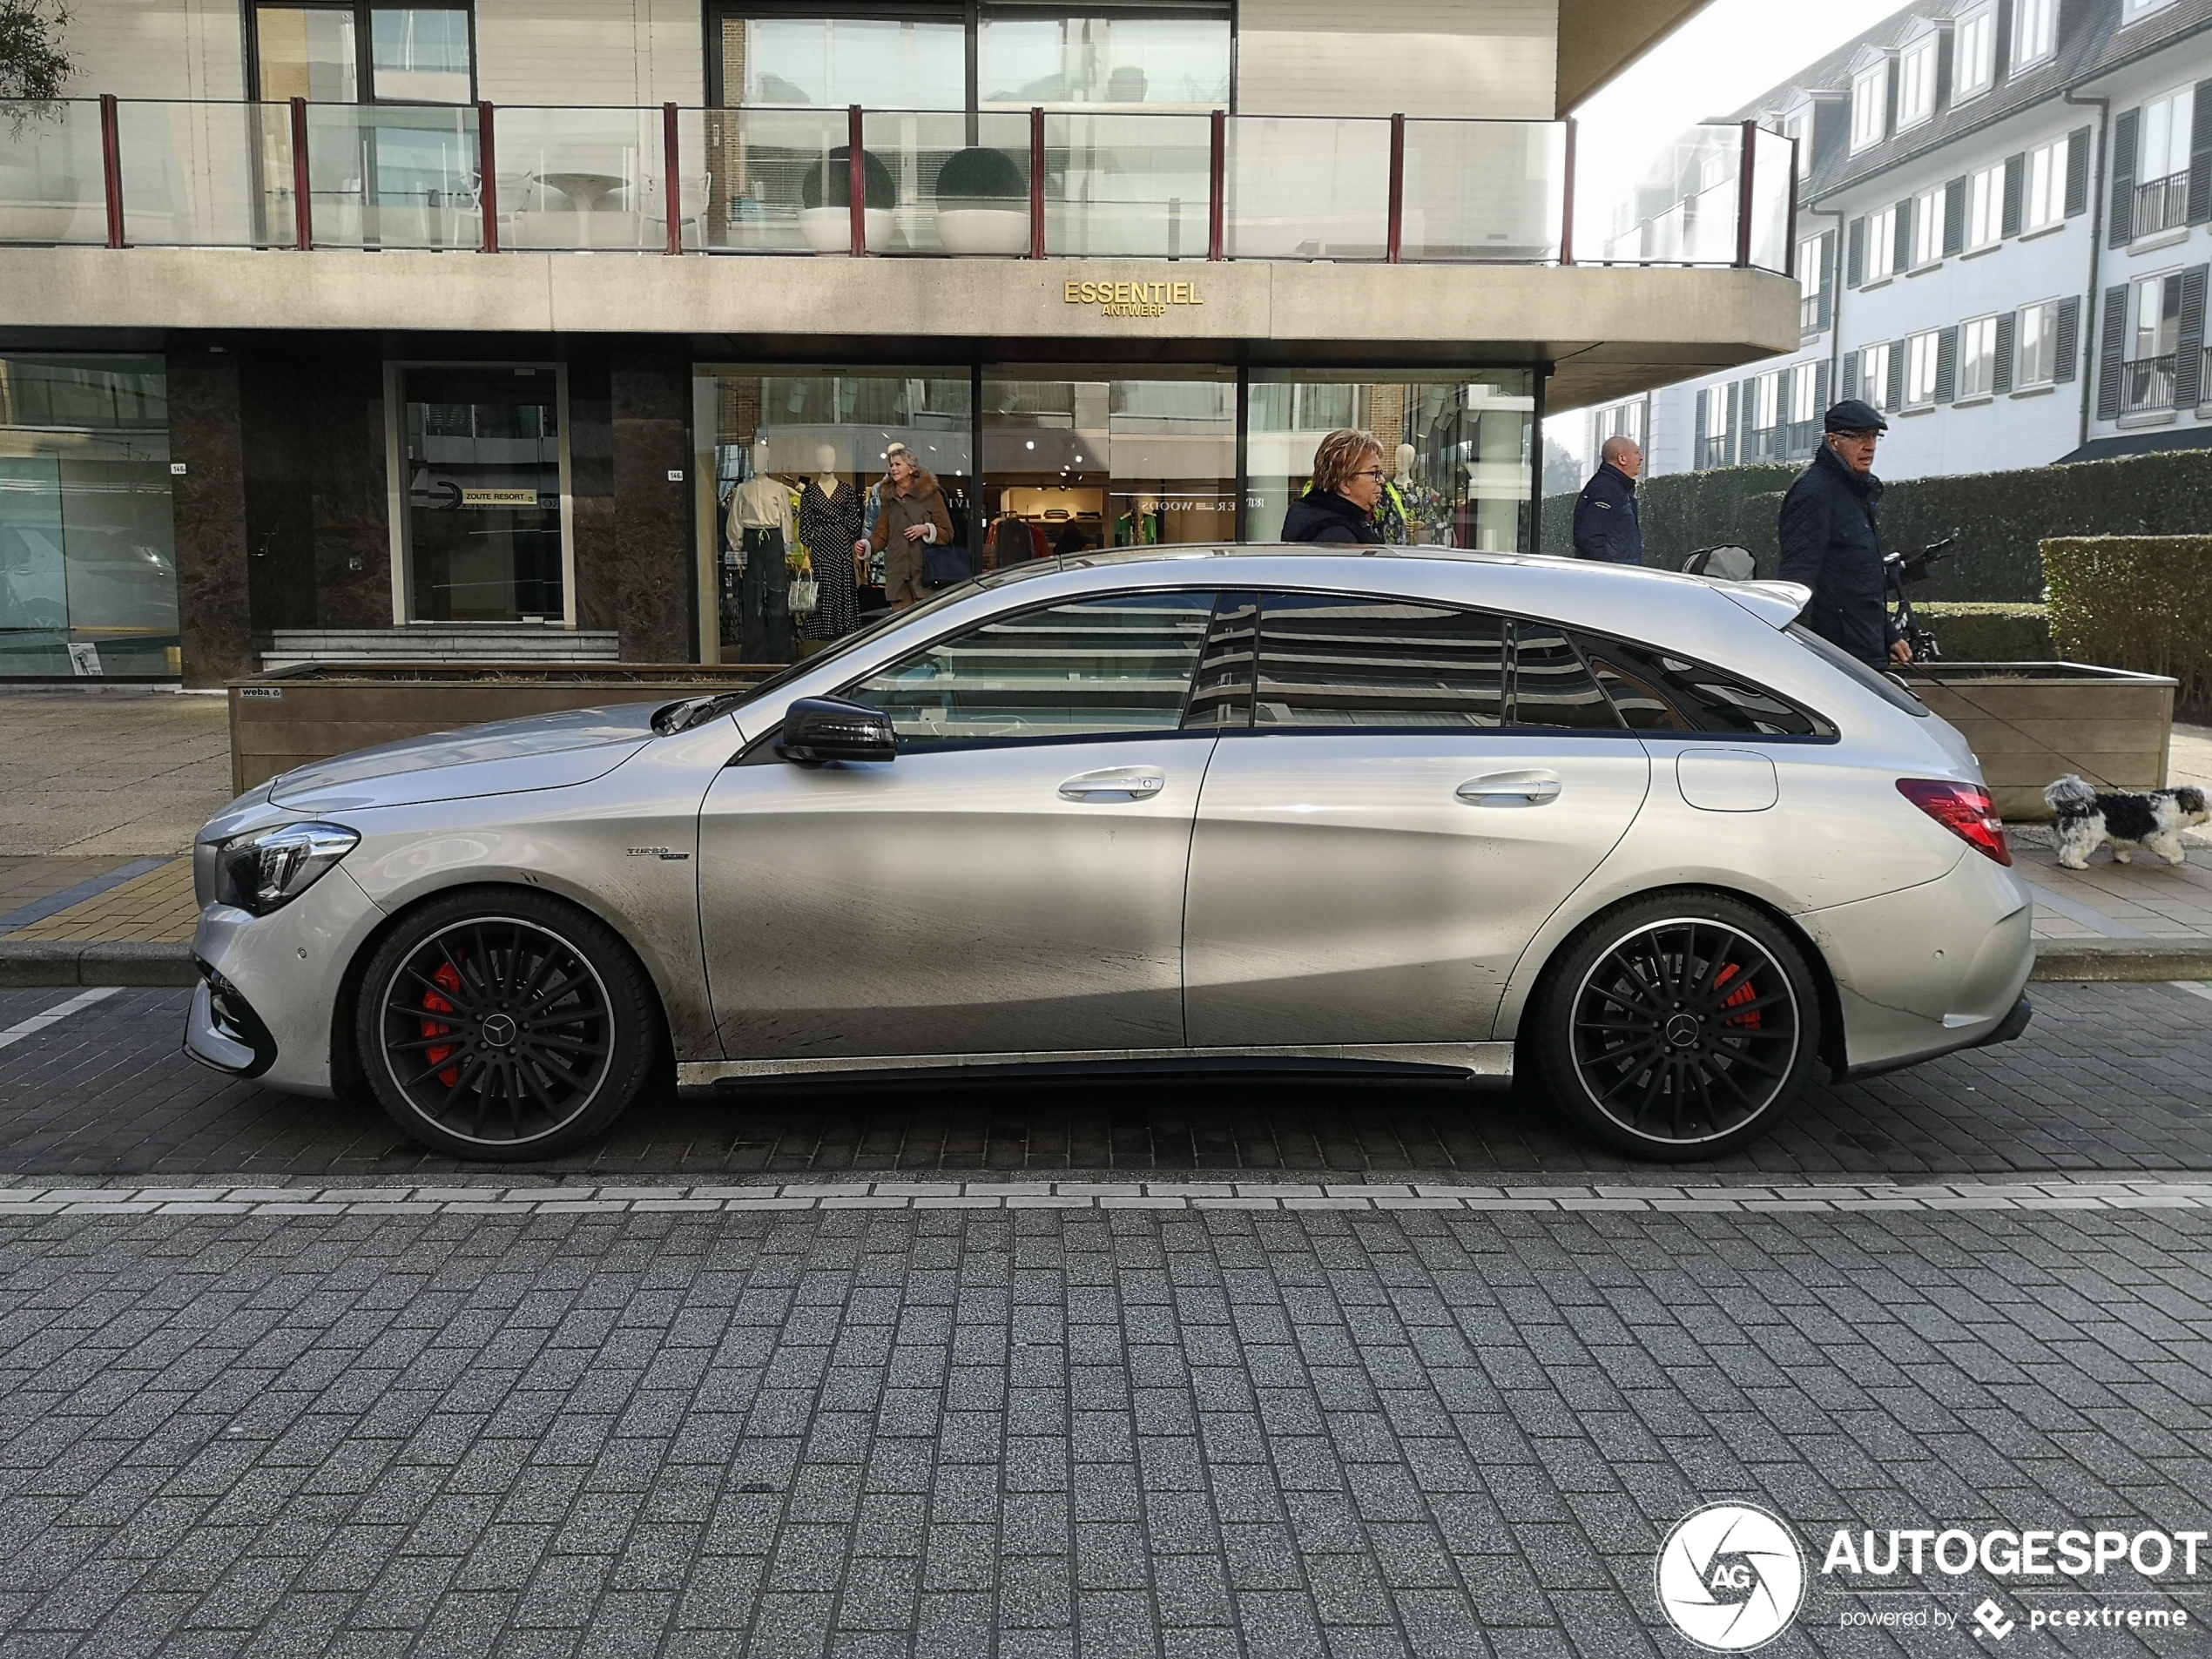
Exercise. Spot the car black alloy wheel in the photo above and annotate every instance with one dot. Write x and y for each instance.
(504, 1029)
(1675, 1034)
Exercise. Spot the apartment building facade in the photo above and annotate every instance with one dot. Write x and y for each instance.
(2002, 245)
(468, 324)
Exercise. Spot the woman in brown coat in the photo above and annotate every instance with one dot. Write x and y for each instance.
(912, 517)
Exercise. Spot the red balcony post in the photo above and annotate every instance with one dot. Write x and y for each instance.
(671, 175)
(1566, 201)
(1743, 195)
(1217, 190)
(303, 207)
(1397, 249)
(487, 177)
(1036, 184)
(112, 166)
(856, 163)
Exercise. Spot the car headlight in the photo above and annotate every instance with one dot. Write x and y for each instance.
(269, 868)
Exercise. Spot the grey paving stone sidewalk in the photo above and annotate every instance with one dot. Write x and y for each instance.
(2109, 1077)
(1217, 1433)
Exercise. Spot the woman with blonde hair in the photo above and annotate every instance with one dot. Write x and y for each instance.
(913, 516)
(1339, 504)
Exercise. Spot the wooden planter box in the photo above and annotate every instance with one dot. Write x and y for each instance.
(2030, 723)
(290, 716)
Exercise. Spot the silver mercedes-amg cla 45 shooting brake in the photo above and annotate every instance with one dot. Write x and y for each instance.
(1637, 834)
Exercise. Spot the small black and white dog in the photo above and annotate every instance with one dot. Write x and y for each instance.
(2156, 820)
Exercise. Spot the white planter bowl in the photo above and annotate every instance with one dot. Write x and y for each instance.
(983, 229)
(829, 230)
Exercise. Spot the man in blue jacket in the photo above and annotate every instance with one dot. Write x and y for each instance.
(1832, 539)
(1605, 516)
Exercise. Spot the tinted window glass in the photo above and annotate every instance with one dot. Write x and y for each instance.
(1222, 693)
(1656, 691)
(1122, 664)
(1326, 660)
(1551, 686)
(1881, 684)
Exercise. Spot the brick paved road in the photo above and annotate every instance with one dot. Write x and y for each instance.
(2109, 1077)
(1044, 1433)
(1087, 1430)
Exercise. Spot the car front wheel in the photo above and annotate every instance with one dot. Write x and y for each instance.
(1678, 1028)
(504, 1026)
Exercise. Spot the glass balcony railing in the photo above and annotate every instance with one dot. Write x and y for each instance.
(1056, 183)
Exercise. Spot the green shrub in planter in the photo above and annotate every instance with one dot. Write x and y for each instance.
(981, 174)
(2139, 602)
(1989, 633)
(829, 182)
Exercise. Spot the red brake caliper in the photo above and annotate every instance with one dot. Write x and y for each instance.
(432, 1003)
(1745, 992)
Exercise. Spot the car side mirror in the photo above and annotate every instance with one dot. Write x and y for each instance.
(817, 729)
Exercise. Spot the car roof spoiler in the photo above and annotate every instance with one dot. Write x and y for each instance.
(1776, 604)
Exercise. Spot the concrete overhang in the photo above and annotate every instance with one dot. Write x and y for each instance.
(1611, 333)
(1598, 39)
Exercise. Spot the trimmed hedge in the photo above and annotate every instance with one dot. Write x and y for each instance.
(1989, 633)
(2002, 517)
(2139, 602)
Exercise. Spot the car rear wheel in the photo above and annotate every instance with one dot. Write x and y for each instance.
(1678, 1028)
(504, 1026)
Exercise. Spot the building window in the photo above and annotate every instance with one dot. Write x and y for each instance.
(2147, 380)
(1874, 376)
(1813, 278)
(2038, 345)
(1621, 421)
(2045, 203)
(1974, 62)
(1916, 82)
(1804, 411)
(1986, 208)
(2135, 8)
(1881, 243)
(2162, 163)
(363, 54)
(2035, 30)
(1030, 55)
(1797, 128)
(1712, 440)
(88, 565)
(1869, 107)
(1927, 227)
(1978, 358)
(1457, 450)
(1923, 355)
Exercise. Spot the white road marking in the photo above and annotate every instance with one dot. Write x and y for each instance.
(55, 1014)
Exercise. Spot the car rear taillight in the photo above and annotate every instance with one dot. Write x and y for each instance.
(1966, 811)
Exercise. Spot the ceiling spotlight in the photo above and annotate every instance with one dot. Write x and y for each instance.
(1031, 444)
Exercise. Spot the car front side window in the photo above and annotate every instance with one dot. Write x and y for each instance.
(1095, 667)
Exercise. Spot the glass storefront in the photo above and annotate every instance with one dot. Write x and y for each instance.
(1075, 459)
(1458, 450)
(486, 492)
(88, 571)
(789, 462)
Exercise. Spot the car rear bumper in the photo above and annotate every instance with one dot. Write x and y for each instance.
(1930, 969)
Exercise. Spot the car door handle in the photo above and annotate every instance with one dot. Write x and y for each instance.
(1116, 783)
(1532, 788)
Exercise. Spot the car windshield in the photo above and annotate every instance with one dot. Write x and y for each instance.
(1881, 684)
(697, 712)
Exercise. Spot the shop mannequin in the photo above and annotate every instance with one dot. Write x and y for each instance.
(1405, 477)
(761, 529)
(829, 523)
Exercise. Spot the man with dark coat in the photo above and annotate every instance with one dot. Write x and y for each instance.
(1832, 539)
(1605, 516)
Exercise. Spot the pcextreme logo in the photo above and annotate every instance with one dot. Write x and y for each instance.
(1731, 1577)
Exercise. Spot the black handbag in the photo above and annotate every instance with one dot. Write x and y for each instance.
(943, 567)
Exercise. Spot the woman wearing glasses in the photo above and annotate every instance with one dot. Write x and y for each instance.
(1339, 504)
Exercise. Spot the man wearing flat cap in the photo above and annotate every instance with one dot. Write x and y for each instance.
(1832, 539)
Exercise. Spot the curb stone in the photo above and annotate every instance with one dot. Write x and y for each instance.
(136, 962)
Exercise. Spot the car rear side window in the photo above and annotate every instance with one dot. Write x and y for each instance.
(1655, 690)
(1552, 686)
(1329, 660)
(1089, 668)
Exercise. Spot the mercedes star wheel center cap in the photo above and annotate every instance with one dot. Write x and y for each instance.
(498, 1031)
(1682, 1031)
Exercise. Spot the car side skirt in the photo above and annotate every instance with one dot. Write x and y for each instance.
(1485, 1064)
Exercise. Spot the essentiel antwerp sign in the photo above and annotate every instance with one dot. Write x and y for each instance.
(1133, 299)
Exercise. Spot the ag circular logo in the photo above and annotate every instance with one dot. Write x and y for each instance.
(1731, 1577)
